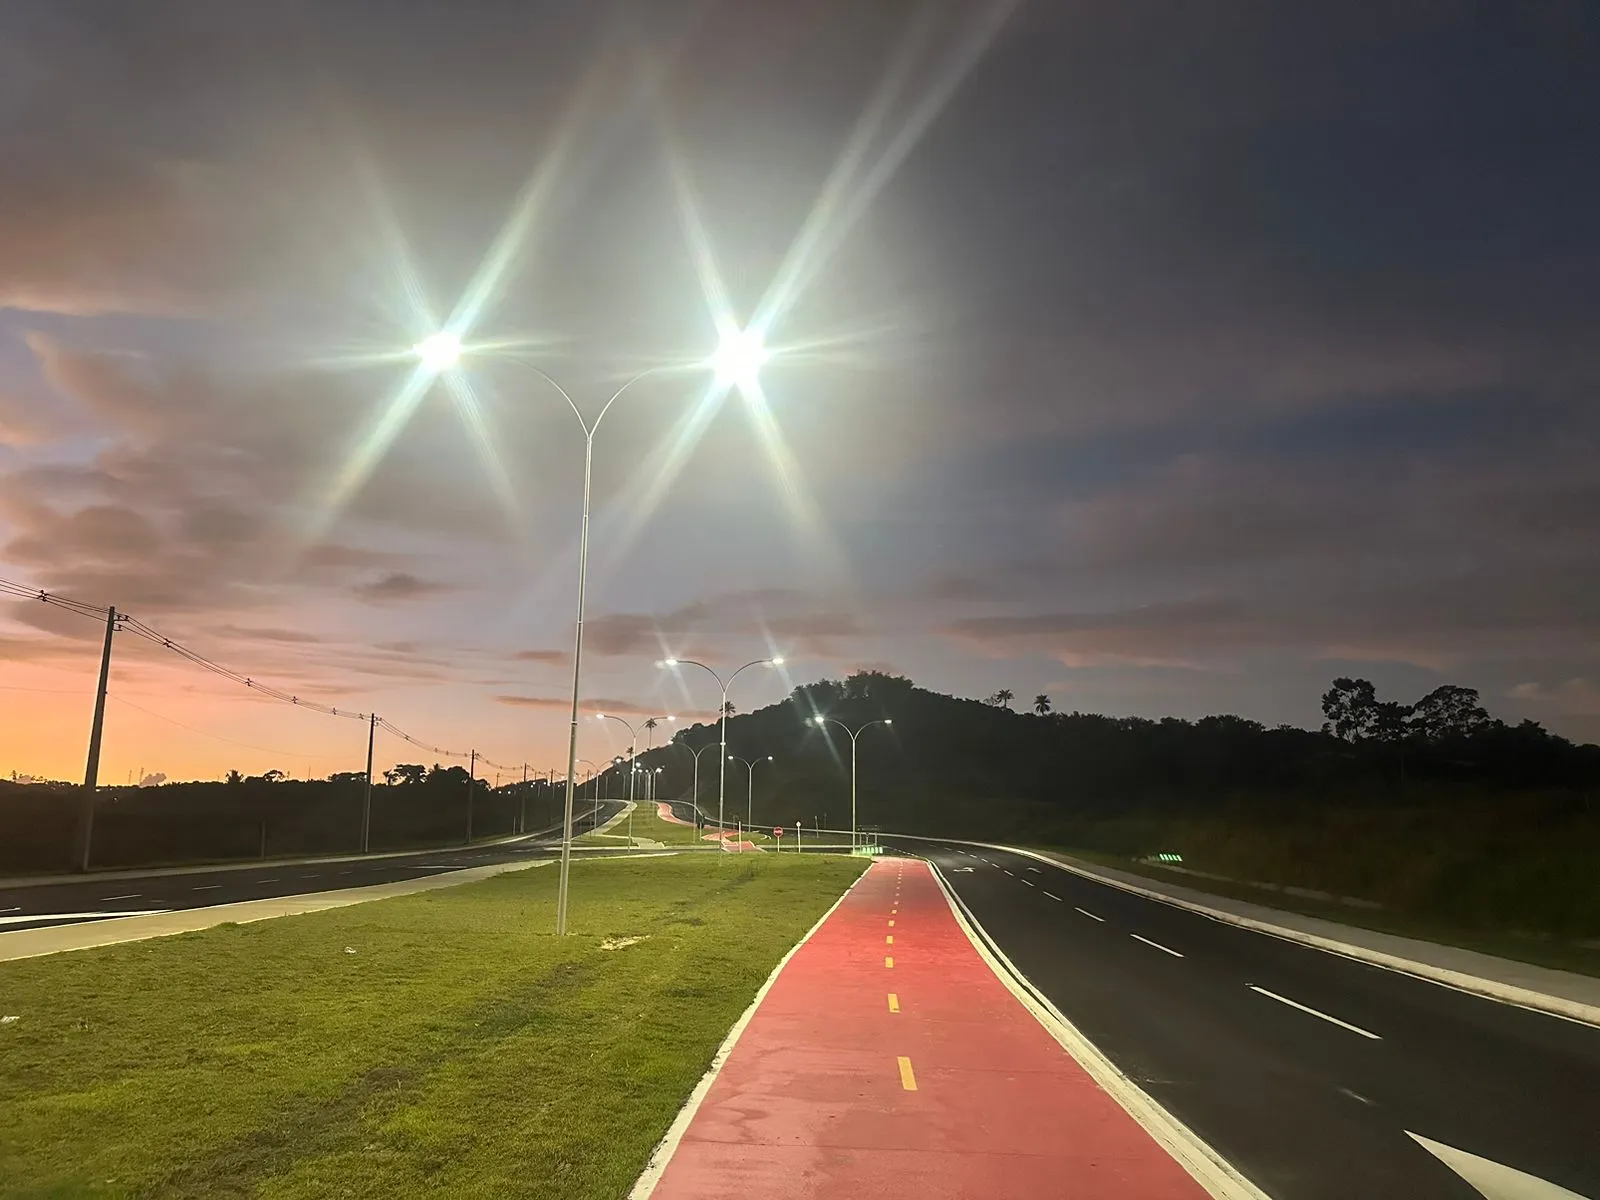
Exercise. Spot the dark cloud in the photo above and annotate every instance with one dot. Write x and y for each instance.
(399, 585)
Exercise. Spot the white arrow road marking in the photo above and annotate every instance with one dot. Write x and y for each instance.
(81, 916)
(1495, 1181)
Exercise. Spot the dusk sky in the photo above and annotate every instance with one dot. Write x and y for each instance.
(1169, 359)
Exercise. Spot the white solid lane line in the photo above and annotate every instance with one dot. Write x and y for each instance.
(206, 887)
(80, 916)
(1158, 946)
(1307, 1009)
(13, 908)
(129, 896)
(1091, 916)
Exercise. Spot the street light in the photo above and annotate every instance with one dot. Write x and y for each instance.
(633, 766)
(694, 797)
(750, 784)
(823, 723)
(722, 759)
(737, 359)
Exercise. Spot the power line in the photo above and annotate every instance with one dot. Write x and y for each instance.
(139, 629)
(206, 733)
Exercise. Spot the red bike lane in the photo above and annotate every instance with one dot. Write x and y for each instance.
(888, 1060)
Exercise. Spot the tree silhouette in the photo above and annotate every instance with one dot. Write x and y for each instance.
(1449, 712)
(651, 723)
(234, 777)
(1004, 697)
(728, 708)
(1351, 706)
(407, 773)
(1041, 704)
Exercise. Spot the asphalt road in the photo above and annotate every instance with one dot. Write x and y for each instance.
(77, 899)
(1305, 1069)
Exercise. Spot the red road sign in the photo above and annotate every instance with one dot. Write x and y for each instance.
(777, 831)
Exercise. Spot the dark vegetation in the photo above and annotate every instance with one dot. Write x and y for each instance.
(1434, 807)
(263, 816)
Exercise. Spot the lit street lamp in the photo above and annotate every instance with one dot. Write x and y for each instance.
(736, 362)
(722, 759)
(823, 723)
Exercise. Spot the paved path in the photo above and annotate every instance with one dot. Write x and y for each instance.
(876, 1069)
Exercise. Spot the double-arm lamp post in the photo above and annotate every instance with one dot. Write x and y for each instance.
(722, 759)
(822, 723)
(737, 361)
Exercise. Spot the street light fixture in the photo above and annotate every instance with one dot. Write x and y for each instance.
(823, 723)
(722, 759)
(439, 351)
(736, 361)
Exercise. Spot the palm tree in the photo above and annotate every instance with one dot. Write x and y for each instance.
(728, 708)
(235, 777)
(1004, 697)
(1041, 704)
(651, 723)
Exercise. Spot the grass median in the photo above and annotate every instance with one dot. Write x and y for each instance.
(445, 1043)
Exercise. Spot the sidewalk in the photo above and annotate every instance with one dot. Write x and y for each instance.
(887, 1061)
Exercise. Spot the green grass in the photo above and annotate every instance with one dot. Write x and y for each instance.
(460, 1050)
(1540, 951)
(646, 826)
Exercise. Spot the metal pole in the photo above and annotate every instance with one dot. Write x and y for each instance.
(577, 659)
(522, 811)
(853, 837)
(633, 771)
(91, 770)
(366, 803)
(722, 764)
(472, 782)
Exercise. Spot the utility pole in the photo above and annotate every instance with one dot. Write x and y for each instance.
(91, 772)
(472, 781)
(366, 803)
(522, 812)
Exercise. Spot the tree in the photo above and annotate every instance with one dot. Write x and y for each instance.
(1351, 706)
(273, 776)
(406, 773)
(348, 777)
(728, 708)
(651, 723)
(1041, 704)
(234, 777)
(1449, 712)
(1004, 697)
